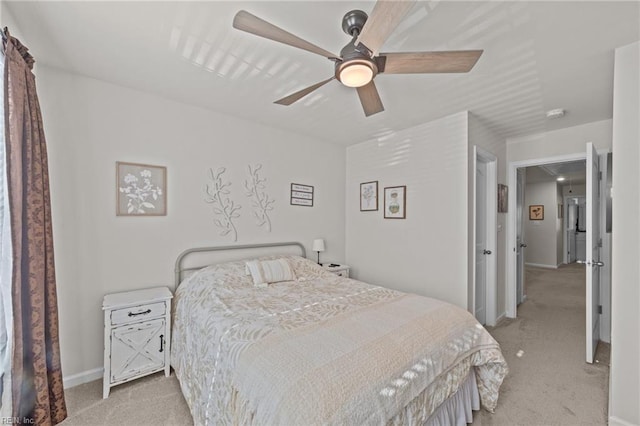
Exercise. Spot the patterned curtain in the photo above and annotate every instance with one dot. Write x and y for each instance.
(35, 371)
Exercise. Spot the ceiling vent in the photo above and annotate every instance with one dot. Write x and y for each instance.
(555, 113)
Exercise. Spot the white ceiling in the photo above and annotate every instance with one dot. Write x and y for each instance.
(537, 56)
(574, 172)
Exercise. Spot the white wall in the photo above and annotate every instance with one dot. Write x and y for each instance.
(434, 161)
(541, 235)
(576, 190)
(423, 253)
(91, 124)
(624, 389)
(560, 142)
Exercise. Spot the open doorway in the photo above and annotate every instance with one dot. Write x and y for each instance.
(558, 236)
(547, 225)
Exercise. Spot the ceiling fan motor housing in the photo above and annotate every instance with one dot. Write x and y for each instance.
(353, 21)
(351, 56)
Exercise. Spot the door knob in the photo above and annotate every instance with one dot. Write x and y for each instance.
(584, 262)
(523, 245)
(598, 263)
(486, 251)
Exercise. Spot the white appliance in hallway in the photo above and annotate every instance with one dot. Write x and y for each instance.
(576, 228)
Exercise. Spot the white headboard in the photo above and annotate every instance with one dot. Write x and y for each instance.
(197, 258)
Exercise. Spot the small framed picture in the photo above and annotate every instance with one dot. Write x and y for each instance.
(141, 189)
(536, 212)
(395, 202)
(301, 195)
(369, 196)
(503, 198)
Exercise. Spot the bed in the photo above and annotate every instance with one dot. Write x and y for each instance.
(323, 349)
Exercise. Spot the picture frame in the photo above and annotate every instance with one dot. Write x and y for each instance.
(141, 189)
(395, 202)
(369, 196)
(503, 198)
(536, 212)
(301, 195)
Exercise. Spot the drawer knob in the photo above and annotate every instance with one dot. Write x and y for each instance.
(148, 311)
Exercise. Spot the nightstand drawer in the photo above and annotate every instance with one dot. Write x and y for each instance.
(135, 313)
(337, 269)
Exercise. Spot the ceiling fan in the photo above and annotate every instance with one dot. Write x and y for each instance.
(359, 61)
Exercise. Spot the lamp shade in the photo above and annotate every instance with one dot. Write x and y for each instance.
(318, 245)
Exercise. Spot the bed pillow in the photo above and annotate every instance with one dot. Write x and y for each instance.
(266, 272)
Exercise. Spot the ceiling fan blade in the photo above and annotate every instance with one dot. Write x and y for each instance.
(384, 18)
(288, 100)
(245, 21)
(430, 62)
(370, 99)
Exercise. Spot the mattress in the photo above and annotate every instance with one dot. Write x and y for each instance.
(322, 350)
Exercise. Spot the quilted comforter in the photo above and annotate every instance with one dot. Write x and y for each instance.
(321, 350)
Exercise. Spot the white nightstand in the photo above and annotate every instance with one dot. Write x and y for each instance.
(137, 327)
(340, 270)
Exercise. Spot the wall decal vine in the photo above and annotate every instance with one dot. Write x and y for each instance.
(218, 194)
(255, 191)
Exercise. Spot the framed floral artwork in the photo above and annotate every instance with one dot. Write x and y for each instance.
(536, 212)
(395, 202)
(369, 196)
(141, 189)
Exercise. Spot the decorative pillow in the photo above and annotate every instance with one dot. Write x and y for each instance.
(265, 272)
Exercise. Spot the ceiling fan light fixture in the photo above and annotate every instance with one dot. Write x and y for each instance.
(356, 72)
(356, 75)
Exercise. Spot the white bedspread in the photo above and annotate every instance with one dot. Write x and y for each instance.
(321, 350)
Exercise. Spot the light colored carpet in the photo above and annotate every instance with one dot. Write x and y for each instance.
(550, 384)
(152, 400)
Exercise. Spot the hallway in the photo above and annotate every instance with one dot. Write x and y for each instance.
(549, 381)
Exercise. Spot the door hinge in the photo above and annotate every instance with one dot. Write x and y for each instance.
(600, 243)
(599, 175)
(600, 309)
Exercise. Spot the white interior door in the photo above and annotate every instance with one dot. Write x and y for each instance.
(520, 241)
(592, 259)
(481, 243)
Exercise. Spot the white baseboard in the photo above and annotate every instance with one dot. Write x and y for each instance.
(501, 317)
(542, 265)
(84, 377)
(614, 421)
